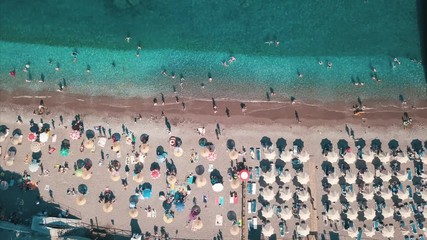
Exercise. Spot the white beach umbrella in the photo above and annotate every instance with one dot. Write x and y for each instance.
(286, 213)
(387, 212)
(270, 154)
(401, 176)
(303, 178)
(44, 137)
(303, 195)
(388, 231)
(286, 156)
(303, 230)
(350, 178)
(268, 194)
(286, 176)
(351, 197)
(269, 177)
(333, 215)
(368, 194)
(332, 157)
(369, 232)
(333, 178)
(402, 158)
(350, 158)
(267, 230)
(369, 157)
(369, 214)
(304, 214)
(267, 212)
(33, 167)
(402, 194)
(384, 157)
(385, 175)
(352, 214)
(303, 157)
(285, 194)
(352, 232)
(217, 187)
(334, 196)
(386, 194)
(368, 177)
(405, 212)
(2, 137)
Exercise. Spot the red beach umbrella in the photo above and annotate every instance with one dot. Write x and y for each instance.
(155, 174)
(32, 137)
(75, 134)
(244, 175)
(212, 156)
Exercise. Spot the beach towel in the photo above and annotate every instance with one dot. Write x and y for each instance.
(217, 200)
(249, 206)
(221, 201)
(255, 222)
(236, 200)
(231, 200)
(218, 220)
(253, 206)
(258, 154)
(102, 141)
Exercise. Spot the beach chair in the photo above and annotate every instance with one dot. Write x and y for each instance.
(250, 224)
(250, 206)
(253, 206)
(254, 188)
(295, 150)
(376, 225)
(255, 222)
(252, 153)
(249, 187)
(413, 227)
(409, 172)
(258, 154)
(257, 173)
(251, 177)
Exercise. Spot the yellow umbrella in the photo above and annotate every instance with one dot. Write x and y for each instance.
(234, 230)
(133, 213)
(81, 200)
(86, 175)
(88, 143)
(108, 207)
(171, 179)
(197, 224)
(144, 148)
(138, 178)
(178, 152)
(116, 146)
(16, 140)
(167, 219)
(78, 173)
(204, 152)
(115, 177)
(233, 155)
(200, 181)
(235, 184)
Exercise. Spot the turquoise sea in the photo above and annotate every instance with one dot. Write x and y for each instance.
(194, 37)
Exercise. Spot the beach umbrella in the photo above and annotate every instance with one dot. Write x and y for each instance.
(369, 157)
(286, 213)
(90, 134)
(81, 200)
(303, 178)
(172, 141)
(217, 187)
(387, 212)
(303, 230)
(369, 214)
(204, 152)
(133, 213)
(332, 157)
(304, 214)
(155, 174)
(178, 152)
(304, 157)
(368, 194)
(268, 194)
(384, 158)
(350, 178)
(233, 155)
(244, 175)
(234, 230)
(286, 156)
(388, 231)
(369, 232)
(212, 156)
(167, 219)
(385, 175)
(108, 207)
(368, 177)
(405, 212)
(144, 148)
(64, 152)
(200, 181)
(4, 185)
(350, 158)
(88, 144)
(269, 177)
(333, 215)
(401, 176)
(33, 167)
(32, 137)
(115, 176)
(200, 170)
(171, 179)
(235, 184)
(144, 138)
(146, 194)
(78, 173)
(352, 214)
(402, 194)
(303, 195)
(44, 137)
(402, 158)
(285, 194)
(230, 144)
(82, 188)
(386, 193)
(333, 178)
(86, 174)
(286, 176)
(351, 197)
(179, 206)
(35, 147)
(16, 140)
(333, 196)
(352, 232)
(267, 230)
(197, 225)
(116, 146)
(75, 134)
(80, 163)
(267, 212)
(270, 154)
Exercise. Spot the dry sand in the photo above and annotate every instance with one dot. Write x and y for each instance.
(274, 120)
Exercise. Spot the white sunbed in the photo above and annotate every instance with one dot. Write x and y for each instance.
(254, 188)
(255, 222)
(249, 206)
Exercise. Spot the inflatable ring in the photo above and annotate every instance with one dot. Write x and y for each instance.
(172, 141)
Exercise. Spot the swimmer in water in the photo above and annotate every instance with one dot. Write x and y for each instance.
(396, 60)
(57, 68)
(164, 72)
(320, 62)
(88, 68)
(301, 75)
(128, 38)
(224, 63)
(181, 76)
(329, 65)
(202, 85)
(137, 53)
(374, 69)
(277, 43)
(210, 79)
(232, 59)
(138, 47)
(173, 75)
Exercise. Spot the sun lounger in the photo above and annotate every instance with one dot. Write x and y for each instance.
(253, 210)
(255, 222)
(250, 173)
(258, 154)
(236, 200)
(409, 172)
(252, 153)
(413, 227)
(254, 188)
(250, 206)
(257, 173)
(250, 224)
(218, 220)
(249, 187)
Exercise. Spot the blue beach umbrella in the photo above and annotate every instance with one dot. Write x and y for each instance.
(179, 206)
(146, 193)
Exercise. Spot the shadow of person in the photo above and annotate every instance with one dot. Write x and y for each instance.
(134, 227)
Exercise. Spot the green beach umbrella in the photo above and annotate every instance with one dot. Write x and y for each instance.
(64, 152)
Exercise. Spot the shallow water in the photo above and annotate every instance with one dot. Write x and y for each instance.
(194, 37)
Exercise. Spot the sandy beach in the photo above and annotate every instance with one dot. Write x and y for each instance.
(274, 120)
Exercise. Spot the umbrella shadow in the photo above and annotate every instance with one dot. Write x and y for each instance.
(17, 132)
(327, 167)
(393, 144)
(417, 145)
(231, 145)
(134, 226)
(342, 145)
(170, 165)
(215, 174)
(266, 142)
(138, 167)
(326, 146)
(325, 183)
(361, 216)
(376, 146)
(154, 166)
(377, 163)
(160, 150)
(281, 144)
(262, 201)
(262, 182)
(361, 165)
(265, 165)
(296, 183)
(361, 143)
(325, 201)
(280, 164)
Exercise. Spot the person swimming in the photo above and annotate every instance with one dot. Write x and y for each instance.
(57, 68)
(329, 65)
(137, 53)
(12, 73)
(128, 38)
(320, 62)
(173, 75)
(164, 72)
(224, 63)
